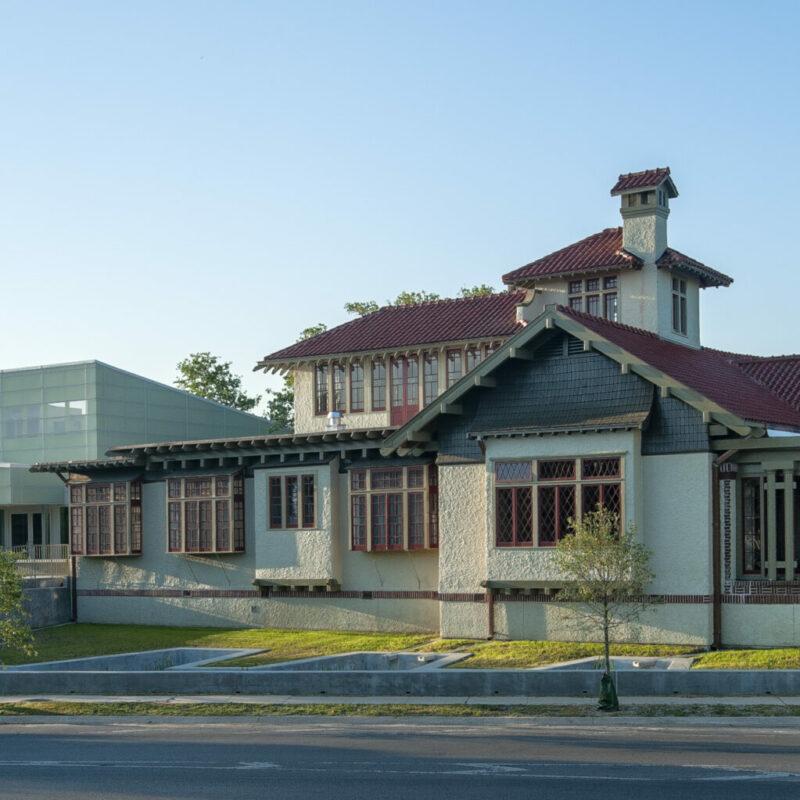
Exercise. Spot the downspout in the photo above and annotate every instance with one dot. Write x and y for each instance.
(716, 557)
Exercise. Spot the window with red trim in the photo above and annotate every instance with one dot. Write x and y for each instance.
(431, 377)
(321, 389)
(454, 367)
(356, 387)
(378, 385)
(106, 518)
(205, 514)
(292, 501)
(529, 513)
(473, 357)
(393, 508)
(339, 388)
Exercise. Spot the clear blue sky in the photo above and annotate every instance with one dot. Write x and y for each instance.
(184, 176)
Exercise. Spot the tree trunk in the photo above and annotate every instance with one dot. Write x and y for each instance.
(607, 646)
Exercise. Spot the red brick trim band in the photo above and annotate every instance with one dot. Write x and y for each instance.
(445, 597)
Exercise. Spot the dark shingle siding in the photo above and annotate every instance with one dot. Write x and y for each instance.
(556, 389)
(674, 427)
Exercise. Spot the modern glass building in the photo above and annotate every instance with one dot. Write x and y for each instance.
(75, 412)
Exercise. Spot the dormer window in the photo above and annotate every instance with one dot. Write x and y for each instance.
(679, 306)
(595, 296)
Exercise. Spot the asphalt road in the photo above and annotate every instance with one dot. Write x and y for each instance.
(311, 758)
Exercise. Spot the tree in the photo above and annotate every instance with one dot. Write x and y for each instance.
(476, 291)
(605, 571)
(14, 630)
(414, 298)
(280, 406)
(362, 308)
(206, 376)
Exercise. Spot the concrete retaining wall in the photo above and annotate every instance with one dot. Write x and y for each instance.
(48, 601)
(441, 683)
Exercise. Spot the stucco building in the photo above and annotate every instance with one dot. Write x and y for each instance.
(441, 448)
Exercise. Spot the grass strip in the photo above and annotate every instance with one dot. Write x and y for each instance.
(47, 708)
(783, 658)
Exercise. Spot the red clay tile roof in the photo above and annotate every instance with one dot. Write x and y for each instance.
(393, 327)
(647, 179)
(707, 275)
(602, 250)
(596, 252)
(714, 374)
(779, 374)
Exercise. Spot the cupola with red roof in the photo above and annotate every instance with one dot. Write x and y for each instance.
(644, 208)
(626, 274)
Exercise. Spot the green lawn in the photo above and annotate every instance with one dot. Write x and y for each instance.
(80, 640)
(785, 658)
(527, 654)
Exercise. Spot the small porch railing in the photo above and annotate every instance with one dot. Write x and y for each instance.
(42, 560)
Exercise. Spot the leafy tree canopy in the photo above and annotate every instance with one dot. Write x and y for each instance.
(206, 376)
(14, 630)
(280, 405)
(364, 307)
(605, 571)
(476, 291)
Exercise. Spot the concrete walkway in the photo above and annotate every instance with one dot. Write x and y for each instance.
(294, 700)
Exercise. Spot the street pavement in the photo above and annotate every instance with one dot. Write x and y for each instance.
(395, 759)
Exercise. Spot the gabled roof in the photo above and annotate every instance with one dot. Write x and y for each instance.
(642, 181)
(779, 374)
(603, 251)
(708, 380)
(395, 327)
(708, 276)
(596, 252)
(711, 373)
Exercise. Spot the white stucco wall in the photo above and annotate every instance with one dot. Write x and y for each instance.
(157, 569)
(346, 614)
(753, 625)
(462, 548)
(688, 624)
(677, 520)
(295, 553)
(288, 553)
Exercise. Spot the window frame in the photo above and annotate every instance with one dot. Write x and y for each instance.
(430, 376)
(551, 489)
(680, 322)
(205, 514)
(357, 385)
(378, 384)
(393, 508)
(115, 517)
(321, 391)
(597, 296)
(287, 491)
(454, 365)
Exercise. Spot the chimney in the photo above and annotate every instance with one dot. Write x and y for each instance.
(644, 207)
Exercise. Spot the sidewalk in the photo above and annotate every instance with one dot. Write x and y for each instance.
(289, 700)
